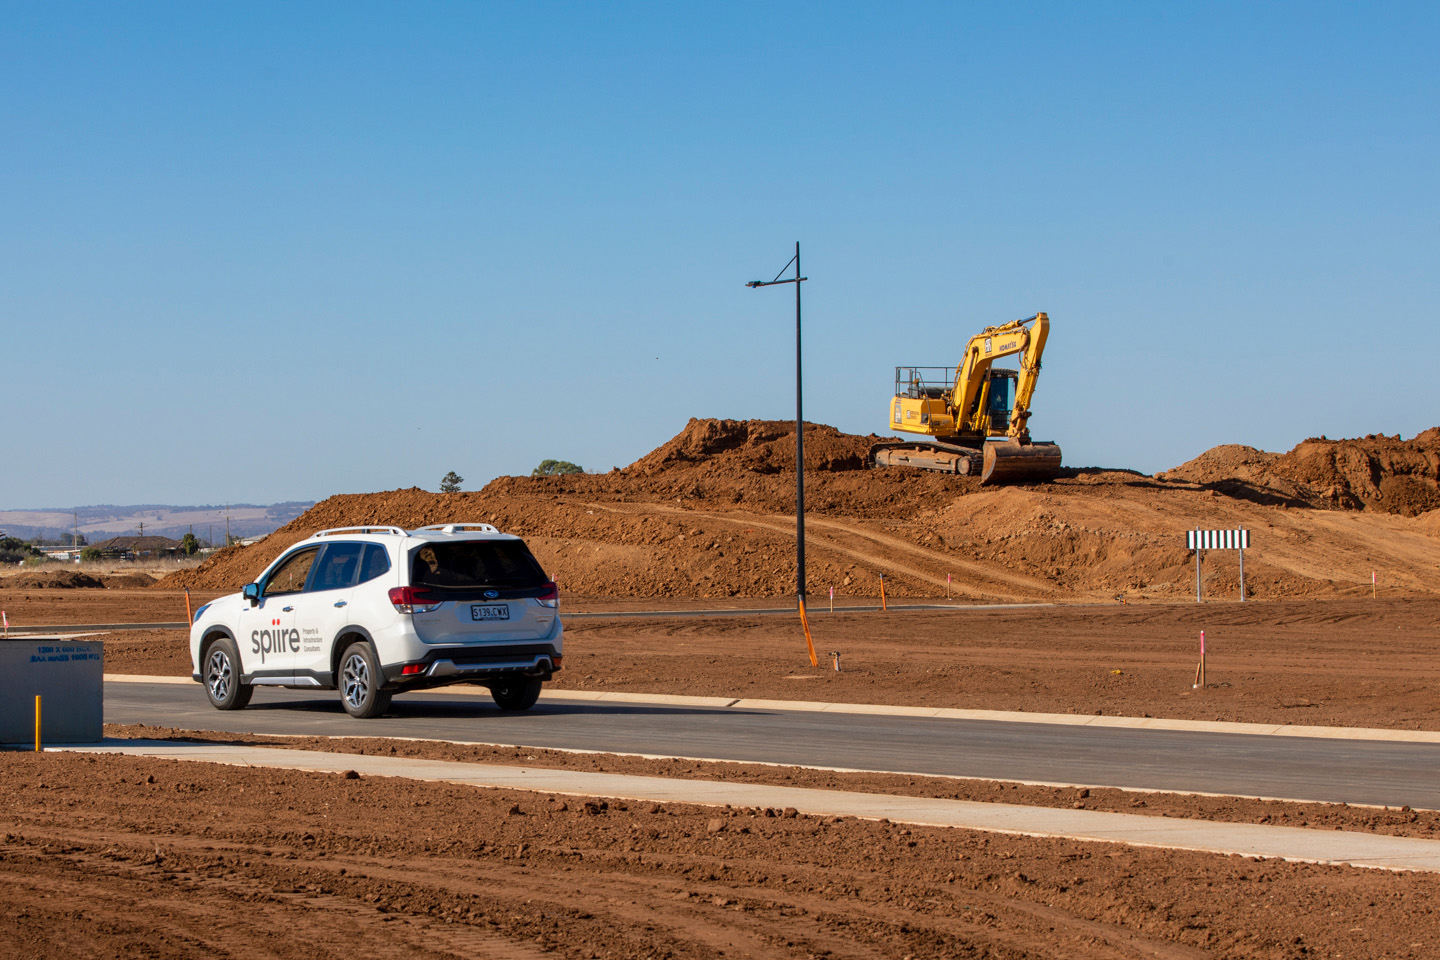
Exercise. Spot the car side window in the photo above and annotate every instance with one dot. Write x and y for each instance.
(339, 565)
(290, 576)
(376, 562)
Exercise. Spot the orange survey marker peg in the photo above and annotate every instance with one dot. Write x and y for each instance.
(1200, 668)
(883, 604)
(809, 643)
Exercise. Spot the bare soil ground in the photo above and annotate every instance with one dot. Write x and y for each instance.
(119, 857)
(112, 856)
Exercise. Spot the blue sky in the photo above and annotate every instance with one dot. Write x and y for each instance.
(259, 252)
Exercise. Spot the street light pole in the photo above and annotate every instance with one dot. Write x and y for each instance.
(799, 448)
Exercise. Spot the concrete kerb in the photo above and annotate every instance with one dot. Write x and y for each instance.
(936, 713)
(1341, 848)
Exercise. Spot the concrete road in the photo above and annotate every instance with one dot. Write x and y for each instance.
(1349, 771)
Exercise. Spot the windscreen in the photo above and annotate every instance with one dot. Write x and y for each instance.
(475, 563)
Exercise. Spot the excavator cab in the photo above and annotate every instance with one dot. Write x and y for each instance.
(1000, 399)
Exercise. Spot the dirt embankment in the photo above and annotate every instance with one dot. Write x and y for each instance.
(710, 515)
(65, 578)
(1385, 474)
(62, 579)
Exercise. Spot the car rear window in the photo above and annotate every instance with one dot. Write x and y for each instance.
(475, 563)
(377, 561)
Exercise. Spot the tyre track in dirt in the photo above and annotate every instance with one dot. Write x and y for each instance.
(1001, 584)
(826, 914)
(118, 856)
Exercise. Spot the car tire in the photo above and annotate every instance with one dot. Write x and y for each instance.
(221, 676)
(360, 680)
(516, 693)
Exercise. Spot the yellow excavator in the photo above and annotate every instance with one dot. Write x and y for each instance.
(978, 413)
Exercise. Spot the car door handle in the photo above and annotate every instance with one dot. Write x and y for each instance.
(286, 609)
(339, 603)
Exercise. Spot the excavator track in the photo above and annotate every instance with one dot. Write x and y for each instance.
(998, 462)
(927, 455)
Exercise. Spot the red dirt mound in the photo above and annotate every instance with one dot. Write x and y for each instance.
(710, 514)
(1376, 472)
(53, 580)
(127, 581)
(733, 448)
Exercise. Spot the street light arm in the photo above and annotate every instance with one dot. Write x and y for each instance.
(771, 283)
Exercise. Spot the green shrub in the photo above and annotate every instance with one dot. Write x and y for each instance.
(15, 550)
(554, 468)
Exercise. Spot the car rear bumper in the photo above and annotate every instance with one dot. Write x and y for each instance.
(458, 664)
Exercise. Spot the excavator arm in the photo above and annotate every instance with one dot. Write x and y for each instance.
(969, 398)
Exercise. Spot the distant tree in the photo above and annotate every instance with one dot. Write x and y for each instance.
(15, 550)
(450, 483)
(189, 545)
(90, 554)
(554, 468)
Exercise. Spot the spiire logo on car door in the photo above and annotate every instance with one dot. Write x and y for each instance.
(274, 641)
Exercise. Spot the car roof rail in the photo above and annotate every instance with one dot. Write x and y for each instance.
(459, 527)
(336, 531)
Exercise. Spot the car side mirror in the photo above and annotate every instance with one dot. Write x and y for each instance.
(252, 593)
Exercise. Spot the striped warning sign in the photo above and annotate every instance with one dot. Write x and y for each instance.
(1217, 539)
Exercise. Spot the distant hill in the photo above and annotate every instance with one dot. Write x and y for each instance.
(101, 521)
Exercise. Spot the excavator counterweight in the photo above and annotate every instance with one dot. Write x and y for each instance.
(978, 414)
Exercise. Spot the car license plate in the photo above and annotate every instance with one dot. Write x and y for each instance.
(490, 611)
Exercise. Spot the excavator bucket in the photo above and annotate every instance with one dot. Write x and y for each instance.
(1010, 461)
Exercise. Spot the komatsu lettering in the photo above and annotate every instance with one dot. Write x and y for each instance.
(274, 641)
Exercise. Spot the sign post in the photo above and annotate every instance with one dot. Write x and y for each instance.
(1202, 540)
(1241, 551)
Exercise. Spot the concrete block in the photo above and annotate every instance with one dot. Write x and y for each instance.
(66, 675)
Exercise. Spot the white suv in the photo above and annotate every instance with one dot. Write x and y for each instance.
(375, 611)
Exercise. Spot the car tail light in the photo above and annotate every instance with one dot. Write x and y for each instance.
(410, 669)
(550, 597)
(413, 600)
